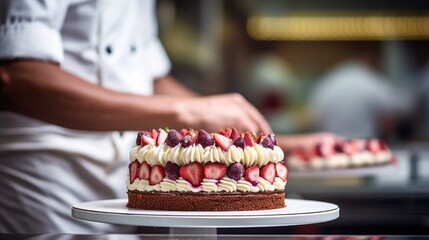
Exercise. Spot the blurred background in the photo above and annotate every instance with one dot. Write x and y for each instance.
(355, 68)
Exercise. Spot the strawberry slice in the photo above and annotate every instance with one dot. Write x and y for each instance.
(193, 173)
(146, 140)
(162, 135)
(139, 136)
(134, 168)
(184, 131)
(301, 153)
(234, 134)
(373, 145)
(324, 149)
(222, 131)
(143, 171)
(268, 172)
(154, 134)
(214, 170)
(281, 171)
(252, 175)
(347, 147)
(223, 142)
(248, 139)
(156, 175)
(260, 138)
(228, 132)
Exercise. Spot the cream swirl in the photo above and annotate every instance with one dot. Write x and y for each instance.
(134, 153)
(264, 185)
(227, 184)
(193, 153)
(173, 154)
(279, 184)
(209, 185)
(249, 156)
(263, 155)
(185, 186)
(245, 186)
(143, 153)
(214, 154)
(276, 155)
(168, 185)
(155, 156)
(138, 184)
(233, 155)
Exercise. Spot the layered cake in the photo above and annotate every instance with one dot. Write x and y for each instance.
(350, 153)
(190, 170)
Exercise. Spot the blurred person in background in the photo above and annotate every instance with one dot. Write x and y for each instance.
(422, 101)
(354, 99)
(75, 79)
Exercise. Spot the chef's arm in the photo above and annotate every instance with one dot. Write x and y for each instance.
(168, 85)
(44, 91)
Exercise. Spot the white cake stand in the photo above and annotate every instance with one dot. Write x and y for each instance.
(296, 212)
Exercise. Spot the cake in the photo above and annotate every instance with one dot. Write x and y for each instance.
(191, 170)
(350, 153)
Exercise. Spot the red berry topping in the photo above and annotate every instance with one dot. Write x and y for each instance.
(324, 149)
(139, 136)
(144, 171)
(146, 140)
(184, 131)
(239, 142)
(173, 138)
(267, 143)
(156, 174)
(260, 138)
(347, 147)
(172, 170)
(281, 171)
(186, 141)
(252, 175)
(204, 138)
(162, 136)
(248, 139)
(301, 153)
(235, 171)
(228, 132)
(214, 170)
(373, 145)
(268, 172)
(223, 142)
(273, 138)
(193, 173)
(234, 134)
(133, 170)
(154, 134)
(222, 131)
(383, 145)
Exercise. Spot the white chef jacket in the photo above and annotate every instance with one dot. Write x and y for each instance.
(44, 168)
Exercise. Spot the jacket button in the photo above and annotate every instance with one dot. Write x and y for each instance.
(109, 49)
(133, 49)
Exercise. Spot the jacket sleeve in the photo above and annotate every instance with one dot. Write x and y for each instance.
(30, 29)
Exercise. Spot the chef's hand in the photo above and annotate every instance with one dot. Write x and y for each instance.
(222, 111)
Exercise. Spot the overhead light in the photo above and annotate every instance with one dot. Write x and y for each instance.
(313, 28)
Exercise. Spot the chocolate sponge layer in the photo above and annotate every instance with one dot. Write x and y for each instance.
(185, 201)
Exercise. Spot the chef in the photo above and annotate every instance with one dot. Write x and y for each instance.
(75, 77)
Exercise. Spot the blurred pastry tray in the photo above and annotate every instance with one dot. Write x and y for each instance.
(364, 171)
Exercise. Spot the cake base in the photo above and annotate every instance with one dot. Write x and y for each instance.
(185, 201)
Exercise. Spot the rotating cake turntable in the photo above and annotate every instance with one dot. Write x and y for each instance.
(296, 212)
